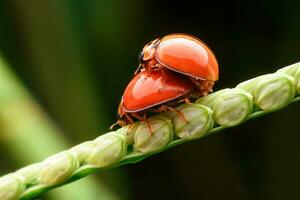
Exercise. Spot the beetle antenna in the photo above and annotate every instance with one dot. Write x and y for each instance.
(138, 69)
(113, 125)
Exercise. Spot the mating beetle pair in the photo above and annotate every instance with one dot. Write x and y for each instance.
(175, 68)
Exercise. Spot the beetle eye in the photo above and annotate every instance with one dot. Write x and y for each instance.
(141, 55)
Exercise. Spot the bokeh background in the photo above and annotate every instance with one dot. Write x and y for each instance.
(73, 59)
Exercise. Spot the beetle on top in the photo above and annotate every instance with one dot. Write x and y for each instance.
(183, 54)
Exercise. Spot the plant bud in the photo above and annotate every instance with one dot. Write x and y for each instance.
(251, 84)
(83, 150)
(11, 187)
(109, 149)
(272, 91)
(294, 71)
(30, 173)
(162, 134)
(58, 168)
(209, 100)
(230, 106)
(199, 121)
(290, 70)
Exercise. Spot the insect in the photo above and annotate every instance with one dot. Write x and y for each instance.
(184, 54)
(173, 69)
(153, 91)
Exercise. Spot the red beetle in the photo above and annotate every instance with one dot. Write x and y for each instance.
(184, 54)
(153, 91)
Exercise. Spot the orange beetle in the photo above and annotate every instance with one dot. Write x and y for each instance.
(184, 54)
(153, 91)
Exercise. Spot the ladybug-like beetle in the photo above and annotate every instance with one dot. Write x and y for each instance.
(184, 54)
(153, 91)
(172, 69)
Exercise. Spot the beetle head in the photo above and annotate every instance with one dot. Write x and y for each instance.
(148, 51)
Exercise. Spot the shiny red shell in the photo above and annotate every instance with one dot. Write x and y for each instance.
(148, 89)
(184, 54)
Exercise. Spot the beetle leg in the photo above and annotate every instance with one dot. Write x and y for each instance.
(137, 116)
(129, 118)
(148, 124)
(129, 129)
(120, 122)
(114, 124)
(130, 121)
(185, 100)
(163, 108)
(138, 69)
(144, 119)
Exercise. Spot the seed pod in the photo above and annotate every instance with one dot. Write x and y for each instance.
(58, 168)
(209, 100)
(274, 92)
(294, 71)
(199, 121)
(109, 149)
(11, 187)
(145, 141)
(290, 70)
(271, 92)
(251, 84)
(83, 150)
(30, 173)
(230, 106)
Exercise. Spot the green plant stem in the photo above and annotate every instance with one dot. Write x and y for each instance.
(29, 135)
(136, 157)
(260, 95)
(133, 158)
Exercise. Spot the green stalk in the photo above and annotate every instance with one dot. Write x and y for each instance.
(210, 114)
(29, 135)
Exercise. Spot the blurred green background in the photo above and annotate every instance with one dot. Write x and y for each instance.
(74, 59)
